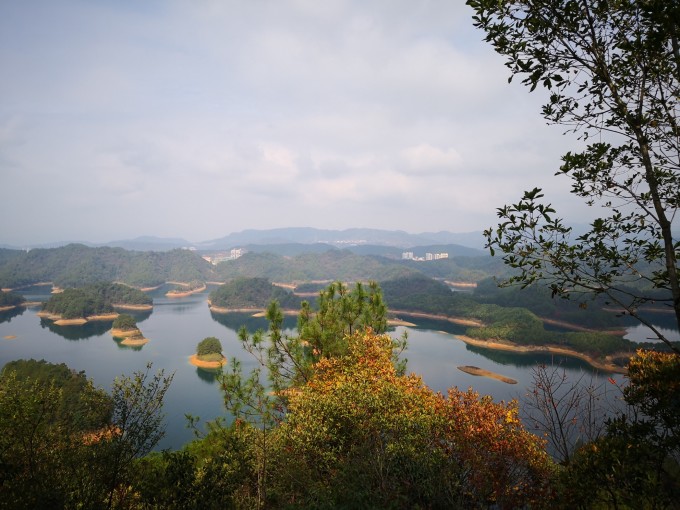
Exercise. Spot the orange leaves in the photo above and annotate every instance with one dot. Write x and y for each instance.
(357, 404)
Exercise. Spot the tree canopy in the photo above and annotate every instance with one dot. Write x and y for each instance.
(612, 72)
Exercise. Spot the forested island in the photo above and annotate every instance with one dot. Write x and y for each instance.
(10, 300)
(124, 329)
(93, 302)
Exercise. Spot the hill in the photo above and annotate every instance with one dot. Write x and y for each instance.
(76, 265)
(252, 293)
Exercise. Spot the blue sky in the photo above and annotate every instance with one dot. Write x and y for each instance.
(199, 118)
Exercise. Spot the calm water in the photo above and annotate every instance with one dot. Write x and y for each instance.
(175, 327)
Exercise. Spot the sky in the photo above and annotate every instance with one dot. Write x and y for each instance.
(198, 118)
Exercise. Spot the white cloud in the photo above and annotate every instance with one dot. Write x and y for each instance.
(259, 114)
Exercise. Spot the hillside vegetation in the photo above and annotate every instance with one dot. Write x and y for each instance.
(76, 265)
(252, 293)
(94, 299)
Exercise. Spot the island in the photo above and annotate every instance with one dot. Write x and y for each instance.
(10, 300)
(187, 289)
(468, 369)
(76, 306)
(251, 295)
(124, 328)
(208, 354)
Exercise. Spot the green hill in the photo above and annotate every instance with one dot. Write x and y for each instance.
(252, 293)
(76, 265)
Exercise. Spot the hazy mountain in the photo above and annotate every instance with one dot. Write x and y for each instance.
(150, 243)
(341, 238)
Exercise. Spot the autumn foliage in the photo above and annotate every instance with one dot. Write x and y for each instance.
(359, 434)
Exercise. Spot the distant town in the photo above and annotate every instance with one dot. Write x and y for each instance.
(222, 256)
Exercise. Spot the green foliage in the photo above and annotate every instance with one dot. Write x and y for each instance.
(635, 463)
(10, 299)
(66, 444)
(612, 68)
(252, 293)
(209, 345)
(339, 265)
(76, 265)
(124, 322)
(94, 299)
(45, 412)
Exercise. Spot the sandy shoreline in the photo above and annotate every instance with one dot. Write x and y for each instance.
(184, 293)
(131, 337)
(468, 369)
(422, 315)
(8, 307)
(256, 312)
(193, 359)
(123, 306)
(607, 367)
(77, 321)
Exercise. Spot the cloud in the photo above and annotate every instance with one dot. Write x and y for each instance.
(195, 119)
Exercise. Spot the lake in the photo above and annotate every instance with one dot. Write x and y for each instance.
(176, 325)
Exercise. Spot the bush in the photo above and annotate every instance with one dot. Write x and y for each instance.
(209, 345)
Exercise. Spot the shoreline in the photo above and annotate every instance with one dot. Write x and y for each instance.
(76, 321)
(140, 308)
(193, 359)
(255, 312)
(424, 315)
(25, 304)
(129, 337)
(184, 293)
(498, 346)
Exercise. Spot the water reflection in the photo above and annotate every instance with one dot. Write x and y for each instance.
(139, 315)
(236, 320)
(82, 332)
(529, 359)
(8, 315)
(207, 375)
(121, 345)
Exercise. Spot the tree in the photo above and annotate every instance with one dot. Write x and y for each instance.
(288, 360)
(612, 69)
(136, 426)
(361, 435)
(209, 345)
(636, 462)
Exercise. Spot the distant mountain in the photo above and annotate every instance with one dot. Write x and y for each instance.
(341, 238)
(150, 243)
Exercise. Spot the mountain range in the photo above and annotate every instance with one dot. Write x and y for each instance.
(353, 237)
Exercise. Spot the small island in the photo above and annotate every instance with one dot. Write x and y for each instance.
(125, 328)
(187, 289)
(10, 300)
(77, 306)
(208, 354)
(468, 369)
